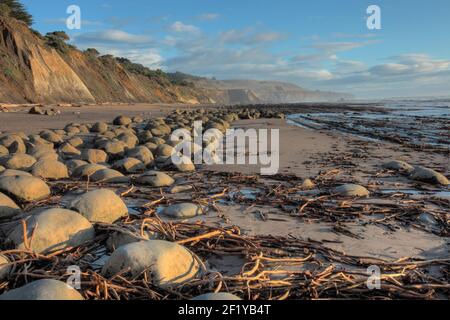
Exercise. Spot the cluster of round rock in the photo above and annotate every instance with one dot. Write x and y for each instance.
(101, 153)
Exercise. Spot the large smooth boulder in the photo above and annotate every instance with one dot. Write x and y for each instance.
(167, 264)
(45, 289)
(184, 164)
(24, 188)
(94, 156)
(99, 127)
(72, 165)
(129, 165)
(100, 205)
(18, 161)
(109, 176)
(53, 229)
(11, 172)
(142, 153)
(5, 267)
(87, 170)
(50, 169)
(219, 296)
(115, 148)
(13, 142)
(8, 208)
(398, 165)
(351, 190)
(122, 121)
(182, 210)
(69, 151)
(429, 175)
(155, 179)
(3, 151)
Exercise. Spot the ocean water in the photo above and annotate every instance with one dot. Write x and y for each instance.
(419, 123)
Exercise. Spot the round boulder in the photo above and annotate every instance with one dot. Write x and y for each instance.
(24, 188)
(168, 264)
(129, 165)
(18, 161)
(52, 230)
(109, 176)
(219, 296)
(45, 289)
(155, 179)
(50, 169)
(94, 156)
(122, 121)
(100, 205)
(11, 172)
(5, 268)
(99, 127)
(429, 176)
(398, 165)
(182, 211)
(87, 170)
(351, 190)
(8, 208)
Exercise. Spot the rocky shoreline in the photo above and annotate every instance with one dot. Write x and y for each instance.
(105, 197)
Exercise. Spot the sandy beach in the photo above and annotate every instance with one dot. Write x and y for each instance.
(401, 219)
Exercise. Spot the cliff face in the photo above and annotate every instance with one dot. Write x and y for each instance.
(31, 71)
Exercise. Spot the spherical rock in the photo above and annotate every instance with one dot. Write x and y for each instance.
(50, 169)
(183, 211)
(143, 154)
(24, 188)
(307, 184)
(129, 165)
(99, 127)
(3, 151)
(5, 268)
(100, 205)
(219, 296)
(398, 166)
(429, 175)
(53, 229)
(118, 239)
(164, 150)
(168, 264)
(122, 120)
(94, 156)
(351, 190)
(45, 289)
(155, 179)
(87, 170)
(18, 161)
(184, 164)
(11, 172)
(109, 176)
(69, 151)
(8, 208)
(115, 148)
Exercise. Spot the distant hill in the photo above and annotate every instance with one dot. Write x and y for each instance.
(45, 69)
(253, 91)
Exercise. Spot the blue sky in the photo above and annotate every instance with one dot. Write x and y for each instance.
(321, 44)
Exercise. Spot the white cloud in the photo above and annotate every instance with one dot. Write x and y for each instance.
(179, 26)
(111, 36)
(248, 37)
